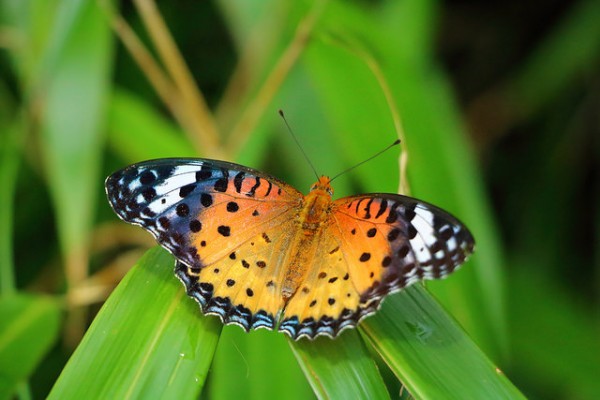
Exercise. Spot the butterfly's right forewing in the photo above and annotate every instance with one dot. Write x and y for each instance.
(421, 241)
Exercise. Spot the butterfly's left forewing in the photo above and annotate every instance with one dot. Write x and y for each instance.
(225, 224)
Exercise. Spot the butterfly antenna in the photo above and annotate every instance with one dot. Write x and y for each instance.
(396, 142)
(298, 144)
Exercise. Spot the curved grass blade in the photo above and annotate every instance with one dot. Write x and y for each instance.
(340, 368)
(10, 159)
(73, 94)
(259, 365)
(430, 353)
(147, 341)
(29, 325)
(137, 132)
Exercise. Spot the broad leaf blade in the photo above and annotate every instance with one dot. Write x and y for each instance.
(149, 340)
(430, 353)
(29, 325)
(340, 368)
(137, 132)
(258, 364)
(73, 89)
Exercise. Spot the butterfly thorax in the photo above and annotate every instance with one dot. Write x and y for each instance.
(313, 216)
(316, 206)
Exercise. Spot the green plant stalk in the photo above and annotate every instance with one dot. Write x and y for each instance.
(73, 99)
(10, 156)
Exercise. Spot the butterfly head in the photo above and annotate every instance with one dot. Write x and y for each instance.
(323, 185)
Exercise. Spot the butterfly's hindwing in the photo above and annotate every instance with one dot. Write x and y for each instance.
(244, 288)
(328, 301)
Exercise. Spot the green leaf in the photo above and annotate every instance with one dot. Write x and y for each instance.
(133, 122)
(149, 340)
(29, 325)
(10, 158)
(258, 364)
(73, 95)
(430, 353)
(536, 83)
(341, 368)
(555, 341)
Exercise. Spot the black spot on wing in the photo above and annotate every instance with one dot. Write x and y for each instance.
(182, 210)
(382, 208)
(392, 215)
(224, 230)
(149, 194)
(221, 184)
(147, 177)
(186, 190)
(195, 226)
(393, 234)
(206, 199)
(367, 209)
(232, 207)
(269, 188)
(204, 173)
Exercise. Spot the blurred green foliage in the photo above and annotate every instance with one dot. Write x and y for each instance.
(499, 105)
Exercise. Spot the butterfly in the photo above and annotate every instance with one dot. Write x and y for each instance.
(257, 253)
